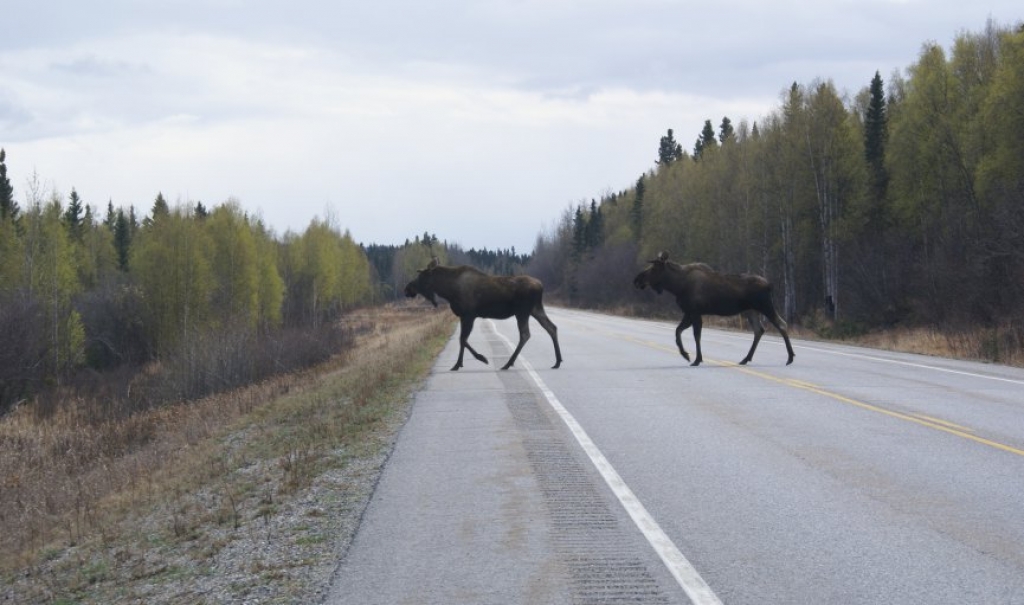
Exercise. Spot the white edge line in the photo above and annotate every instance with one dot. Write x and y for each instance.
(913, 364)
(692, 584)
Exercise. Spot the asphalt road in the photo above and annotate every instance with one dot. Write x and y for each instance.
(852, 476)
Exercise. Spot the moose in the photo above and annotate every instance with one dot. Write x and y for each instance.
(700, 290)
(472, 293)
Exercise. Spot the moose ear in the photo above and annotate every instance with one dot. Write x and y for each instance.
(433, 263)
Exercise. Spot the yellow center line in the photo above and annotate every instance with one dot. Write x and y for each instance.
(932, 423)
(944, 423)
(920, 419)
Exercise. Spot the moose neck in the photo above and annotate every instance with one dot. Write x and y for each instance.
(442, 280)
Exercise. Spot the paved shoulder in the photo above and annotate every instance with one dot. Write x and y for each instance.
(487, 500)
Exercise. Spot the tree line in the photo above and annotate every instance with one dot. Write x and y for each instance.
(181, 300)
(903, 204)
(396, 265)
(210, 293)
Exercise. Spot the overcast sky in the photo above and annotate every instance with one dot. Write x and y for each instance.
(479, 122)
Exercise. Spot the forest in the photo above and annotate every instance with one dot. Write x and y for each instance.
(136, 312)
(903, 205)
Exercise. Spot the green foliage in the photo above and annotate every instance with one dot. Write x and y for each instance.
(906, 207)
(668, 149)
(876, 134)
(705, 141)
(725, 131)
(49, 276)
(73, 216)
(171, 261)
(325, 272)
(636, 215)
(234, 267)
(8, 207)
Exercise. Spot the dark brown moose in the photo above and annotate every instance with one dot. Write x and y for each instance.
(700, 290)
(472, 293)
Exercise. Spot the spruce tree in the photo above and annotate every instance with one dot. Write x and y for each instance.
(73, 216)
(636, 214)
(8, 207)
(668, 149)
(111, 220)
(706, 140)
(725, 131)
(875, 137)
(122, 239)
(160, 207)
(595, 226)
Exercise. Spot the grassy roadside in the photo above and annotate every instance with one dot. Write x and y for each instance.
(245, 496)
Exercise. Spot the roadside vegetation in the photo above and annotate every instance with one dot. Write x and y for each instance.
(236, 495)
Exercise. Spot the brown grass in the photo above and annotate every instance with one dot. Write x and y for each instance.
(1003, 344)
(68, 485)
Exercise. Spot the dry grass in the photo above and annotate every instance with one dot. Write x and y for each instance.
(70, 489)
(1004, 344)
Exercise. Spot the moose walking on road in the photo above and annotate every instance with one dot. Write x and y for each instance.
(472, 293)
(700, 290)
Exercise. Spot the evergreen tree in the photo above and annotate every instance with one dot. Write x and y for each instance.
(579, 232)
(706, 140)
(8, 207)
(122, 239)
(725, 131)
(595, 226)
(669, 150)
(636, 215)
(110, 222)
(160, 210)
(201, 212)
(876, 133)
(73, 216)
(707, 135)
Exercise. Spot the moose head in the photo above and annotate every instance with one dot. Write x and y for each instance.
(423, 284)
(654, 275)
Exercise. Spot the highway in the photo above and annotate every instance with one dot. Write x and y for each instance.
(852, 476)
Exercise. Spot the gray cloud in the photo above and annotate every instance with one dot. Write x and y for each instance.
(405, 115)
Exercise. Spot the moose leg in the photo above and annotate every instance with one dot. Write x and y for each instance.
(467, 327)
(524, 335)
(552, 330)
(754, 321)
(698, 323)
(780, 325)
(679, 335)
